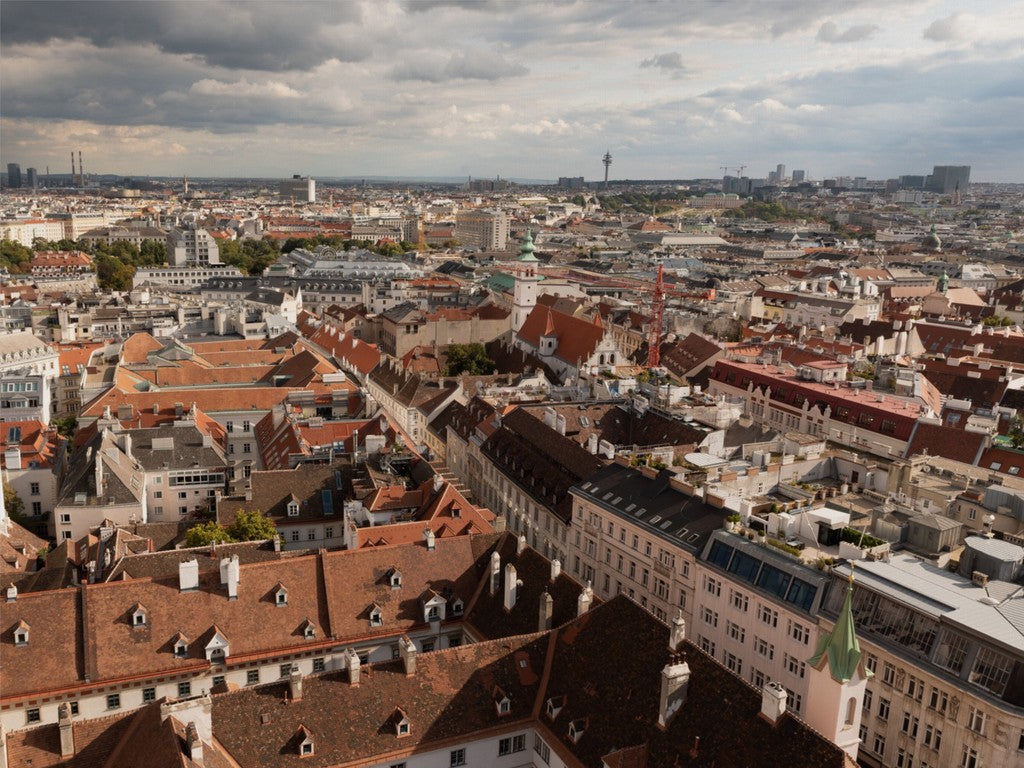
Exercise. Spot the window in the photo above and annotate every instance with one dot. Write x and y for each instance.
(285, 670)
(37, 508)
(739, 601)
(879, 746)
(867, 701)
(976, 720)
(319, 665)
(888, 674)
(938, 700)
(32, 715)
(713, 586)
(457, 757)
(246, 447)
(311, 534)
(295, 534)
(542, 749)
(763, 648)
(932, 737)
(428, 645)
(706, 645)
(182, 494)
(851, 711)
(992, 671)
(512, 744)
(710, 617)
(795, 666)
(74, 708)
(768, 616)
(883, 709)
(185, 689)
(909, 726)
(904, 759)
(252, 677)
(34, 489)
(735, 631)
(799, 632)
(915, 689)
(969, 758)
(218, 680)
(113, 701)
(733, 664)
(148, 695)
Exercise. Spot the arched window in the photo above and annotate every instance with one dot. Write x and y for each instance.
(851, 711)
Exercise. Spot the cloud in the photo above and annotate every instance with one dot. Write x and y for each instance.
(475, 65)
(958, 26)
(669, 63)
(829, 33)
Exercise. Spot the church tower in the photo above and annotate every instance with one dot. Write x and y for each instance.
(525, 297)
(837, 682)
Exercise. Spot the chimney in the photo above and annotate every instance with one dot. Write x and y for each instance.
(428, 538)
(675, 679)
(126, 445)
(438, 483)
(407, 653)
(193, 744)
(560, 424)
(188, 575)
(232, 577)
(67, 735)
(678, 633)
(207, 440)
(99, 474)
(352, 663)
(495, 572)
(556, 569)
(520, 544)
(510, 586)
(547, 607)
(295, 684)
(773, 702)
(584, 600)
(592, 443)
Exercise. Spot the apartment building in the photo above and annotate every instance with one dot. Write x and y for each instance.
(193, 247)
(755, 610)
(947, 654)
(487, 230)
(638, 531)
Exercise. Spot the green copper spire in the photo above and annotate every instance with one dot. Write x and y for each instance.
(526, 249)
(840, 646)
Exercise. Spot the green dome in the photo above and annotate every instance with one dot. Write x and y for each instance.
(931, 240)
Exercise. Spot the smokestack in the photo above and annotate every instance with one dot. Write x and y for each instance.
(81, 170)
(72, 167)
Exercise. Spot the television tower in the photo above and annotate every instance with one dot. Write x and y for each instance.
(607, 160)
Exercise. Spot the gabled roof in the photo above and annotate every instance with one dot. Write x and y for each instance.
(577, 337)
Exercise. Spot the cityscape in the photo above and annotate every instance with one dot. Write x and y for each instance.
(569, 385)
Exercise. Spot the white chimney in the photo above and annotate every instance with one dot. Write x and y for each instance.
(295, 684)
(560, 424)
(193, 744)
(547, 609)
(353, 664)
(773, 702)
(556, 569)
(12, 593)
(592, 443)
(677, 633)
(584, 600)
(510, 586)
(495, 572)
(407, 652)
(549, 417)
(428, 538)
(438, 483)
(188, 575)
(232, 577)
(520, 544)
(675, 680)
(67, 733)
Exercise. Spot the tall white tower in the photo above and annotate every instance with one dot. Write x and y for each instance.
(837, 681)
(525, 297)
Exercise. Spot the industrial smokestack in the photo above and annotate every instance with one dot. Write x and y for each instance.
(81, 170)
(72, 166)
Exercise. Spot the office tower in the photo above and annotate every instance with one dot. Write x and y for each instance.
(946, 179)
(799, 176)
(780, 172)
(13, 175)
(301, 188)
(32, 178)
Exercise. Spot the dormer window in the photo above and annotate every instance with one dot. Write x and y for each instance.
(308, 630)
(403, 726)
(280, 596)
(21, 633)
(305, 738)
(139, 615)
(376, 618)
(433, 613)
(293, 508)
(502, 702)
(218, 647)
(180, 645)
(576, 729)
(554, 706)
(395, 578)
(458, 607)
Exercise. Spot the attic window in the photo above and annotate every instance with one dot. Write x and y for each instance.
(403, 726)
(457, 607)
(395, 578)
(576, 728)
(306, 744)
(631, 507)
(139, 616)
(21, 634)
(376, 619)
(309, 631)
(554, 706)
(293, 509)
(281, 596)
(654, 520)
(503, 703)
(181, 648)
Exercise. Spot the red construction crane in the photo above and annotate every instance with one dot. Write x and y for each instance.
(658, 313)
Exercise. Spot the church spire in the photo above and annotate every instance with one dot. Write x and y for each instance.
(526, 249)
(840, 646)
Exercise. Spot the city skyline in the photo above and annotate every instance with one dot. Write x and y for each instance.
(518, 90)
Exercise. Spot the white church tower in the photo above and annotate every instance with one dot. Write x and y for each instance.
(837, 682)
(525, 297)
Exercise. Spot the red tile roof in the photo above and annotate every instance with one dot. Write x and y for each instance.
(577, 338)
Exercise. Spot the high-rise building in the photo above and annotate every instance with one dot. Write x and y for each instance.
(32, 178)
(799, 176)
(301, 188)
(13, 175)
(946, 179)
(191, 247)
(780, 172)
(571, 182)
(486, 230)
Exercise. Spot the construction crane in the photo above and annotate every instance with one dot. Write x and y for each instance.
(725, 169)
(740, 169)
(661, 291)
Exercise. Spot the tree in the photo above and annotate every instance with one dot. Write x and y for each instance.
(113, 274)
(252, 526)
(468, 358)
(14, 257)
(66, 425)
(1016, 431)
(14, 505)
(204, 534)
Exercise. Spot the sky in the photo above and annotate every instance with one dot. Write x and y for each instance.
(514, 89)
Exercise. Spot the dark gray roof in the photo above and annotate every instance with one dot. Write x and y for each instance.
(188, 450)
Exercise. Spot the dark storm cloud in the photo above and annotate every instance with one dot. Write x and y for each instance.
(266, 36)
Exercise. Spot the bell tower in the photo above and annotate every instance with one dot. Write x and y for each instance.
(525, 296)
